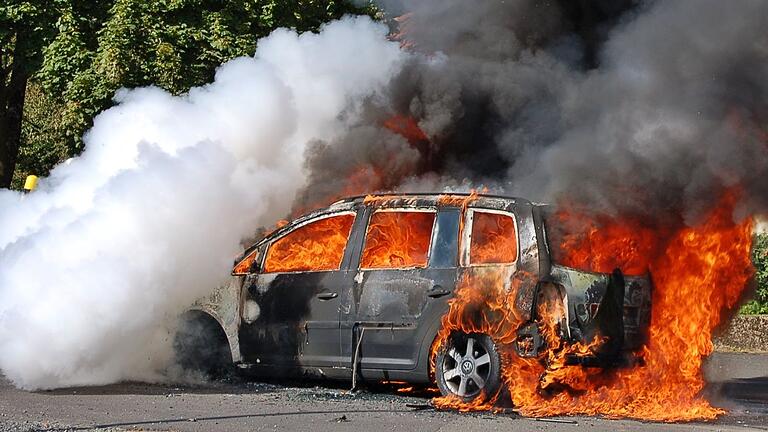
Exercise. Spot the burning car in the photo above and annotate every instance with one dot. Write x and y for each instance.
(360, 290)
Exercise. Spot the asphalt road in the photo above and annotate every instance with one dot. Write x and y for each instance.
(739, 383)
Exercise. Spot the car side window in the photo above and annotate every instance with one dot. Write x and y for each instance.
(494, 239)
(316, 246)
(445, 239)
(398, 239)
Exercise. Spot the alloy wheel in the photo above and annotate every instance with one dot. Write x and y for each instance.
(467, 369)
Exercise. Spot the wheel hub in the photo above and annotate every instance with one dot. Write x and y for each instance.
(466, 369)
(467, 366)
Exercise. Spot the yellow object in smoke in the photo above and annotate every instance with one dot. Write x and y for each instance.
(31, 183)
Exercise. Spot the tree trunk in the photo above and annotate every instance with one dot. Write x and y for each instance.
(12, 106)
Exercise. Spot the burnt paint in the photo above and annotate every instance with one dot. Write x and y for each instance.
(395, 309)
(529, 266)
(599, 301)
(296, 330)
(298, 324)
(295, 324)
(397, 306)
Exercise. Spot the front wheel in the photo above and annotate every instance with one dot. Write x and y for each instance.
(201, 346)
(468, 367)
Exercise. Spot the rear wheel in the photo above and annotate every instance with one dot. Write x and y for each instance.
(468, 367)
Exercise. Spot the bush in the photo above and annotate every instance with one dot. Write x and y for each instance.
(759, 305)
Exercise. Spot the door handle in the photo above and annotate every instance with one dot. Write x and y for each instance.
(327, 295)
(437, 291)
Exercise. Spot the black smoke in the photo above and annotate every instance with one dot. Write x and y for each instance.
(644, 108)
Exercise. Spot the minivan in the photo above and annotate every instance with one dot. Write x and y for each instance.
(357, 290)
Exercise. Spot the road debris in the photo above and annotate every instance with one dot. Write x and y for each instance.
(342, 419)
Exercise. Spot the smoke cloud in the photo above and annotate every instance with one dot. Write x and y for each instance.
(97, 263)
(674, 114)
(642, 108)
(649, 109)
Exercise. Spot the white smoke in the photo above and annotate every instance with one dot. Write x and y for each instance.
(120, 240)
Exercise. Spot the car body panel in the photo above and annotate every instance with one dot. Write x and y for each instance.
(295, 324)
(381, 322)
(386, 306)
(224, 306)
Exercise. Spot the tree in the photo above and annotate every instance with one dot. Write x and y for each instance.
(43, 135)
(25, 27)
(174, 44)
(80, 53)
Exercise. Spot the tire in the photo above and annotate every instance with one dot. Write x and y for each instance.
(473, 376)
(200, 345)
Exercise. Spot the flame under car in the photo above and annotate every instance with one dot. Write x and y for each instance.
(357, 290)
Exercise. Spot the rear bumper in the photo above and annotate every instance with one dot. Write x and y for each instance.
(611, 306)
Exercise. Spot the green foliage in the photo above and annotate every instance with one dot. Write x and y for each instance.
(25, 27)
(42, 136)
(759, 305)
(173, 44)
(80, 53)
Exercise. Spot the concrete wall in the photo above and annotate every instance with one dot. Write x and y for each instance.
(747, 333)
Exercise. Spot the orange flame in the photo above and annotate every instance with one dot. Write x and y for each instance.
(381, 173)
(244, 266)
(364, 178)
(699, 274)
(493, 239)
(398, 239)
(481, 304)
(402, 31)
(406, 127)
(315, 246)
(388, 200)
(462, 201)
(601, 245)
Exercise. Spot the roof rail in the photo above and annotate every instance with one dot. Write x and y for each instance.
(423, 194)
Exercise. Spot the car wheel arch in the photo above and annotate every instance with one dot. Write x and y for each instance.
(208, 320)
(425, 352)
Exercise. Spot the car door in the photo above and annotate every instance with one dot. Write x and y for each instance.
(407, 262)
(490, 246)
(292, 306)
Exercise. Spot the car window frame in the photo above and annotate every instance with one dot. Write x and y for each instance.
(298, 225)
(398, 210)
(466, 237)
(443, 215)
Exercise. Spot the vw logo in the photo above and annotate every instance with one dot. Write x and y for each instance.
(467, 367)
